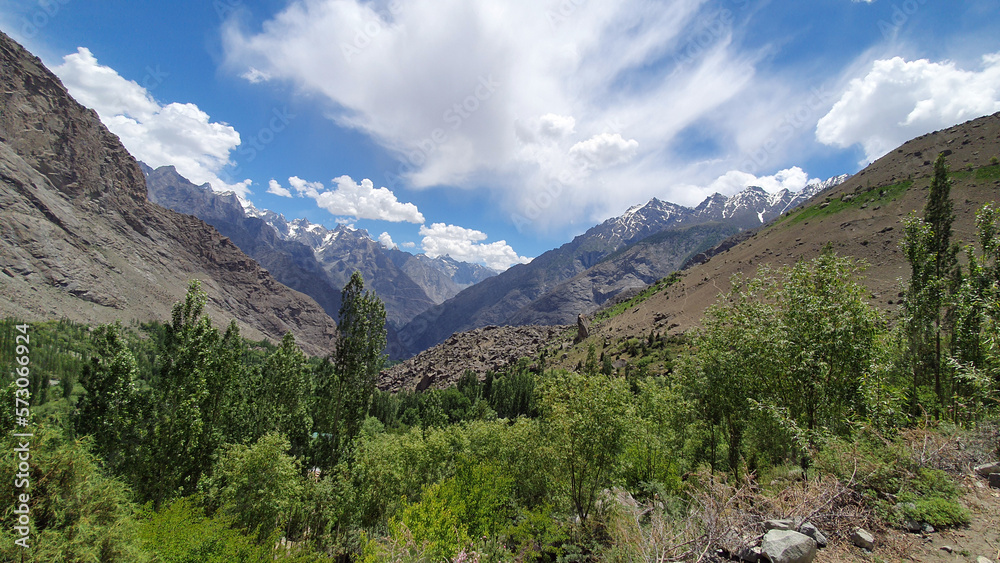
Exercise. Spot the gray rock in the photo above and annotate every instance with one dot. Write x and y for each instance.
(995, 480)
(863, 539)
(927, 528)
(787, 546)
(987, 469)
(982, 559)
(912, 526)
(750, 555)
(783, 524)
(582, 329)
(947, 548)
(814, 533)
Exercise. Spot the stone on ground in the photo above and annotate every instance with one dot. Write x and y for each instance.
(787, 546)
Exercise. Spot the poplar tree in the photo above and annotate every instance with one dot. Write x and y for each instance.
(346, 380)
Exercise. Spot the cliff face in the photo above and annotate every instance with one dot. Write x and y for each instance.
(79, 240)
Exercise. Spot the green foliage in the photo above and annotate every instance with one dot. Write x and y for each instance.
(869, 197)
(346, 382)
(257, 487)
(475, 502)
(181, 533)
(586, 419)
(112, 409)
(194, 372)
(76, 512)
(782, 359)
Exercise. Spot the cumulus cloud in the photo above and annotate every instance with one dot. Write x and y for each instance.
(466, 245)
(386, 240)
(273, 187)
(899, 99)
(175, 134)
(604, 150)
(515, 96)
(361, 201)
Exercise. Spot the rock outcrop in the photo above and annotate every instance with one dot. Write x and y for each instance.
(490, 348)
(79, 240)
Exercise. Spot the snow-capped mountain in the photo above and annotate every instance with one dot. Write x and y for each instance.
(555, 286)
(314, 259)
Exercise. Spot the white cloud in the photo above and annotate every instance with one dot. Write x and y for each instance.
(899, 100)
(255, 76)
(604, 150)
(273, 187)
(176, 134)
(362, 201)
(386, 240)
(409, 244)
(466, 245)
(515, 96)
(792, 179)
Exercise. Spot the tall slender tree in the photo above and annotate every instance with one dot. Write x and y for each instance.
(346, 381)
(939, 214)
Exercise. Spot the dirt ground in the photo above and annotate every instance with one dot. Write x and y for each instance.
(981, 538)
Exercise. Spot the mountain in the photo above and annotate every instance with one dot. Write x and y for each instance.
(554, 288)
(315, 260)
(80, 240)
(861, 217)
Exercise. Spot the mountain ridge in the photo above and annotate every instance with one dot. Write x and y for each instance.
(507, 298)
(79, 239)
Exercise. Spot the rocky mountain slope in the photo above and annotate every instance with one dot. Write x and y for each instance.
(558, 285)
(315, 260)
(862, 218)
(490, 348)
(80, 240)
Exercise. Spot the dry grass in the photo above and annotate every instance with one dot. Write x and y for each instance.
(727, 517)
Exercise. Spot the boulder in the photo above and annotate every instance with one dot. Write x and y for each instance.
(814, 533)
(788, 546)
(995, 480)
(987, 469)
(982, 559)
(582, 329)
(783, 524)
(863, 539)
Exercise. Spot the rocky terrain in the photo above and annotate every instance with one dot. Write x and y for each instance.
(557, 286)
(490, 348)
(315, 260)
(863, 218)
(80, 240)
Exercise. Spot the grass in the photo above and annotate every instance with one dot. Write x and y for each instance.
(619, 308)
(869, 197)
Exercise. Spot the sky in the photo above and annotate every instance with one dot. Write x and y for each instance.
(494, 130)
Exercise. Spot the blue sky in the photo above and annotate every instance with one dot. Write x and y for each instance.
(494, 130)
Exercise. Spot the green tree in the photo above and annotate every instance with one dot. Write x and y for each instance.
(287, 386)
(586, 418)
(111, 410)
(830, 340)
(257, 486)
(345, 384)
(188, 391)
(77, 513)
(939, 214)
(736, 360)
